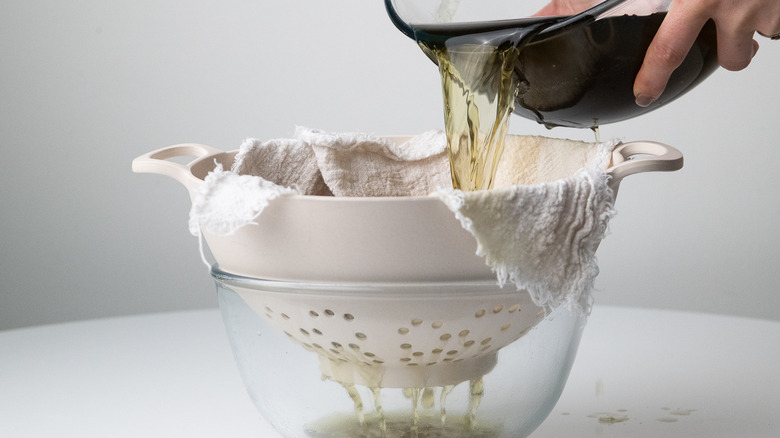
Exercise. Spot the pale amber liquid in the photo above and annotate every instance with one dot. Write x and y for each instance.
(479, 96)
(580, 77)
(423, 420)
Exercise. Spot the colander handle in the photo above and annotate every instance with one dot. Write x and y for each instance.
(158, 162)
(643, 156)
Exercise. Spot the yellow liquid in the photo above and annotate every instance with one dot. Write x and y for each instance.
(479, 95)
(579, 77)
(421, 421)
(397, 426)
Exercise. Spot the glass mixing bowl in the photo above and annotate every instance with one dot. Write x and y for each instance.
(436, 359)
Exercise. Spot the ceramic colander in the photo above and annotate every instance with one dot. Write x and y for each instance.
(394, 335)
(393, 330)
(360, 239)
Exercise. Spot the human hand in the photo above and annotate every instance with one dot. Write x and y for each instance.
(736, 22)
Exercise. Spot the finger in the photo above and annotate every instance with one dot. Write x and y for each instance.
(667, 51)
(736, 49)
(561, 7)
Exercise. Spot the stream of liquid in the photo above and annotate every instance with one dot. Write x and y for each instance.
(422, 420)
(580, 77)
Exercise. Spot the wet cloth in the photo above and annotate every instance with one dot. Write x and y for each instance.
(538, 229)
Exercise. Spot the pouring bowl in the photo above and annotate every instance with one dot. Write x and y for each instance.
(574, 68)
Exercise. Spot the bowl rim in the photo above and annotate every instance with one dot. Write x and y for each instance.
(486, 287)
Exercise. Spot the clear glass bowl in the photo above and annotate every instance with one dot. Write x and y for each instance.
(443, 359)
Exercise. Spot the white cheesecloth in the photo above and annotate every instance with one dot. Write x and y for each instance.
(538, 229)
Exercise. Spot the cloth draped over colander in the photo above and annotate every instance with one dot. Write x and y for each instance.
(538, 229)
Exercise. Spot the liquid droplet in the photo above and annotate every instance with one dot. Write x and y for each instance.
(427, 398)
(357, 400)
(379, 410)
(476, 392)
(445, 391)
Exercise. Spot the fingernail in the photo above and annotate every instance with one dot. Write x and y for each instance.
(644, 100)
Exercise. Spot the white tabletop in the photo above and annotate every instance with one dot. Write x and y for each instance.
(639, 373)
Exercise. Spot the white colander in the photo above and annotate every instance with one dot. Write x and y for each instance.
(415, 306)
(394, 335)
(359, 239)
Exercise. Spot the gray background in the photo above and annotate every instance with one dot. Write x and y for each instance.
(86, 86)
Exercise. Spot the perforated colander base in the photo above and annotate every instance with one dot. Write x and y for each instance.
(400, 336)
